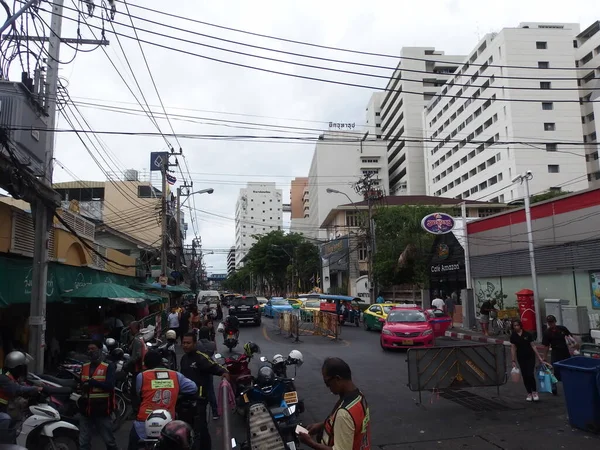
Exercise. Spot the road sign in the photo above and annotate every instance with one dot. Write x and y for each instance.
(158, 160)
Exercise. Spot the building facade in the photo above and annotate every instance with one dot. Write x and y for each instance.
(339, 160)
(588, 62)
(259, 210)
(299, 215)
(508, 109)
(373, 113)
(412, 85)
(231, 261)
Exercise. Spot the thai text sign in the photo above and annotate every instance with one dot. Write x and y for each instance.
(438, 223)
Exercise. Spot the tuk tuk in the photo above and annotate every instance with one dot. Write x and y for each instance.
(347, 308)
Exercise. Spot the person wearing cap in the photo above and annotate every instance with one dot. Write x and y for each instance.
(555, 338)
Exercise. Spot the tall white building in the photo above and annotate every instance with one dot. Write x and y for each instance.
(259, 210)
(373, 113)
(588, 61)
(413, 84)
(339, 160)
(479, 127)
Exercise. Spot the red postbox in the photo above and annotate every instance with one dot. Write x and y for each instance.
(526, 309)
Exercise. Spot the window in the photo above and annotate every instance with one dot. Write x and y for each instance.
(547, 106)
(541, 45)
(362, 252)
(545, 85)
(553, 168)
(352, 219)
(549, 126)
(551, 147)
(543, 65)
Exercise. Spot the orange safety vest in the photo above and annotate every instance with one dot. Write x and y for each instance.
(4, 398)
(357, 407)
(139, 366)
(159, 390)
(97, 402)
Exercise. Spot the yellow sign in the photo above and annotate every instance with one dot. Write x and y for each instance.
(290, 397)
(162, 384)
(476, 369)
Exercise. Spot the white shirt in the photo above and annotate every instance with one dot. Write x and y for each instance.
(173, 320)
(438, 303)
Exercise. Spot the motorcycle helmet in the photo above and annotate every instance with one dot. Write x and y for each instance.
(233, 322)
(176, 435)
(278, 359)
(156, 421)
(171, 334)
(250, 348)
(17, 359)
(265, 377)
(296, 357)
(111, 344)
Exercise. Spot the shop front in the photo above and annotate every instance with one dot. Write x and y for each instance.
(447, 267)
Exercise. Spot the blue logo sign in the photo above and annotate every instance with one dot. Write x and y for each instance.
(438, 223)
(158, 160)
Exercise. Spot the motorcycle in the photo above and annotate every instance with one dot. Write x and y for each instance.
(167, 351)
(186, 410)
(231, 339)
(239, 372)
(279, 364)
(43, 428)
(265, 432)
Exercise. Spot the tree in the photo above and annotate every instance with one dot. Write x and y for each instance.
(548, 195)
(403, 247)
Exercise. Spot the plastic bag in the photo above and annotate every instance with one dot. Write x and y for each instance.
(545, 379)
(573, 345)
(515, 375)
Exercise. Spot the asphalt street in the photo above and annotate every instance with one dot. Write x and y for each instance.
(398, 420)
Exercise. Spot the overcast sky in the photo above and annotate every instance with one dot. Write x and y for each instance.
(217, 91)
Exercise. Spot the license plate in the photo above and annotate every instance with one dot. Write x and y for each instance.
(246, 400)
(408, 342)
(243, 308)
(290, 397)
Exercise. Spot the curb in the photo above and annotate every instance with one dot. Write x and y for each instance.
(483, 339)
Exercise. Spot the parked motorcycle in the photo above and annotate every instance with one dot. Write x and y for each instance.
(43, 428)
(231, 339)
(237, 365)
(279, 364)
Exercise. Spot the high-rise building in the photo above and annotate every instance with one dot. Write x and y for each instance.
(418, 77)
(510, 91)
(339, 160)
(231, 261)
(259, 210)
(588, 62)
(374, 115)
(298, 213)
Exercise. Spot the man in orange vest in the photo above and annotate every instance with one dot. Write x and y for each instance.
(157, 388)
(348, 426)
(98, 399)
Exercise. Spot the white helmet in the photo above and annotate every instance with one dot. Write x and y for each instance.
(296, 357)
(171, 334)
(156, 421)
(277, 359)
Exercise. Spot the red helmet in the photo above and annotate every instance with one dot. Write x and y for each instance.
(176, 435)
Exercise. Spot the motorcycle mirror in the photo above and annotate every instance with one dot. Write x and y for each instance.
(290, 410)
(233, 443)
(218, 356)
(263, 359)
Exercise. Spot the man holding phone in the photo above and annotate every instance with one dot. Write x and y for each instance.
(348, 427)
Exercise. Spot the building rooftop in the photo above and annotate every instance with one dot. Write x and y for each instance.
(429, 200)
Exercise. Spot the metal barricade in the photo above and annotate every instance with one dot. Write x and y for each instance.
(228, 441)
(456, 367)
(318, 323)
(327, 324)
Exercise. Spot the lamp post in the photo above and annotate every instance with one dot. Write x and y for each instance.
(524, 179)
(178, 228)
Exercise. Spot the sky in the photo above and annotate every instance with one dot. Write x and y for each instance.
(214, 91)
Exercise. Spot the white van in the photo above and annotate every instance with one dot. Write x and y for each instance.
(212, 296)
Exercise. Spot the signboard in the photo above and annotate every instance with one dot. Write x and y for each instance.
(595, 286)
(362, 287)
(158, 160)
(445, 268)
(342, 125)
(438, 223)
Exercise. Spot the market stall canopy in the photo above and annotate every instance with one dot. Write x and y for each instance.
(110, 291)
(182, 288)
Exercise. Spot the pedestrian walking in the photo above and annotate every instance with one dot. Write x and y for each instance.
(348, 427)
(199, 368)
(174, 319)
(525, 353)
(484, 315)
(97, 402)
(555, 338)
(438, 303)
(450, 307)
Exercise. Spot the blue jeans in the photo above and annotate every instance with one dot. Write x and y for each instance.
(104, 429)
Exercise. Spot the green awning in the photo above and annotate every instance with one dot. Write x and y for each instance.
(108, 291)
(15, 280)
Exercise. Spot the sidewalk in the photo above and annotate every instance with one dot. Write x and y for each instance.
(475, 336)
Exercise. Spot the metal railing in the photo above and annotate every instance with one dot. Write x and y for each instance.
(228, 441)
(313, 323)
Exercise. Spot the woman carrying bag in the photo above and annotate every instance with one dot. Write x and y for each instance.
(524, 352)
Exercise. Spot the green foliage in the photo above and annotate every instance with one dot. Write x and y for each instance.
(276, 261)
(548, 195)
(398, 230)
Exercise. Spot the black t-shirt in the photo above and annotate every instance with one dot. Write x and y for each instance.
(555, 339)
(523, 344)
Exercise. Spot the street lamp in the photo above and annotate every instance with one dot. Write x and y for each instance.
(524, 178)
(201, 191)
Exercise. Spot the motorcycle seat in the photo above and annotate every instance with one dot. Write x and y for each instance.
(71, 384)
(58, 390)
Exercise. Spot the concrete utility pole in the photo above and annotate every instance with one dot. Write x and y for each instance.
(164, 220)
(42, 215)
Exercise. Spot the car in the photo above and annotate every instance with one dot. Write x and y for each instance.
(309, 306)
(407, 328)
(374, 316)
(246, 309)
(296, 303)
(277, 305)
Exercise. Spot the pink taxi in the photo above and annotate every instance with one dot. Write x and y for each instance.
(407, 328)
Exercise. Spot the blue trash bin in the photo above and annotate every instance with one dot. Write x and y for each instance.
(581, 384)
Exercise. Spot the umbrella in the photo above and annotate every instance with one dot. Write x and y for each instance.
(108, 291)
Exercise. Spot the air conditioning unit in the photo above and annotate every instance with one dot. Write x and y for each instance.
(25, 121)
(131, 175)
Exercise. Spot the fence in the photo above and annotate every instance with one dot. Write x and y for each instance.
(157, 320)
(308, 323)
